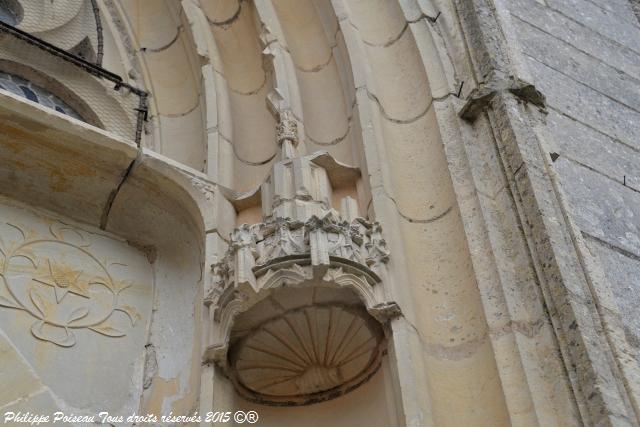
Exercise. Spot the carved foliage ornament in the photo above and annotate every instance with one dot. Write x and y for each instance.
(61, 284)
(287, 129)
(253, 249)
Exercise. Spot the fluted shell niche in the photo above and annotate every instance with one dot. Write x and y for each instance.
(304, 345)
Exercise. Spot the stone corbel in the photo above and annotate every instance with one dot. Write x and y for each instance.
(385, 311)
(295, 275)
(481, 97)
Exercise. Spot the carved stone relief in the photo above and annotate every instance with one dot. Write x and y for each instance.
(331, 345)
(70, 301)
(61, 284)
(304, 345)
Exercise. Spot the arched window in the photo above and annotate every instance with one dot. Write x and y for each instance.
(10, 12)
(32, 92)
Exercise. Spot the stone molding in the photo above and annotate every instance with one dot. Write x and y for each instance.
(564, 274)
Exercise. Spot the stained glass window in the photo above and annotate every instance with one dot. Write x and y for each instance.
(32, 92)
(10, 12)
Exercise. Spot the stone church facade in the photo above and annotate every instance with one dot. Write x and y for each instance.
(323, 212)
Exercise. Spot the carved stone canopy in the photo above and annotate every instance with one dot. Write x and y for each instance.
(297, 304)
(304, 345)
(322, 252)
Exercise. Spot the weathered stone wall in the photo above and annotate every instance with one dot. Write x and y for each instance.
(54, 359)
(585, 58)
